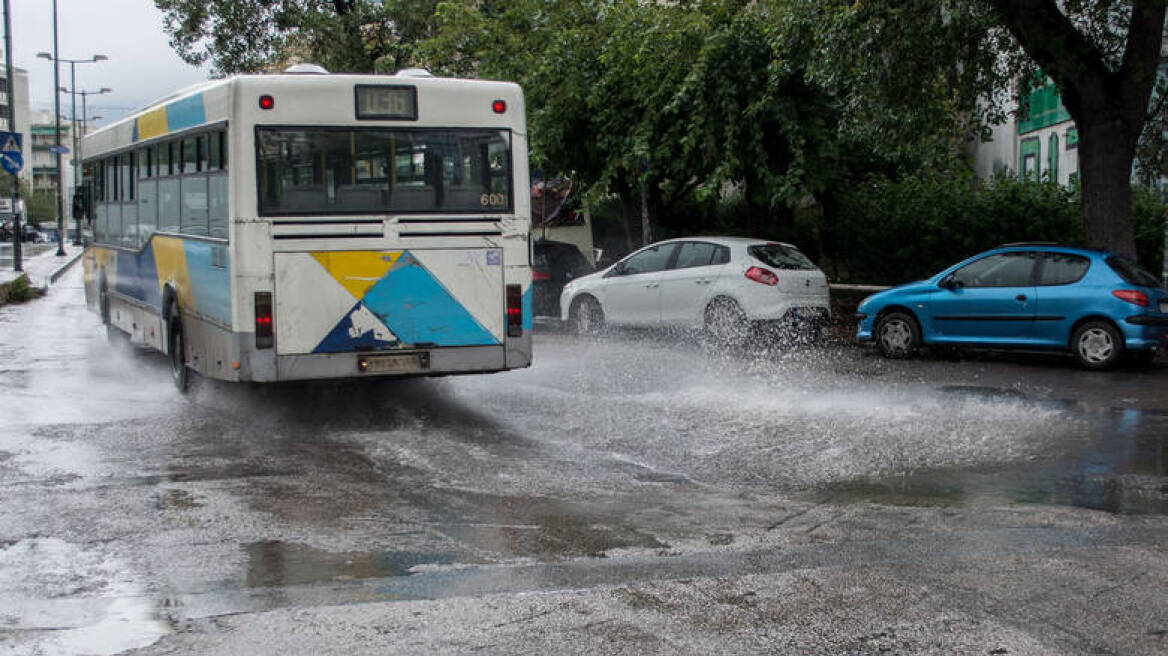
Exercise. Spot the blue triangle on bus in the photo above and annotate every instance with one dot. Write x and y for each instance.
(419, 310)
(359, 330)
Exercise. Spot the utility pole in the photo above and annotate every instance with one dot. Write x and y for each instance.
(17, 233)
(57, 110)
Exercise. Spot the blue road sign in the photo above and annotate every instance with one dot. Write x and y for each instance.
(11, 153)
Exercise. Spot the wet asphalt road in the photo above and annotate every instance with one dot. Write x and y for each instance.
(636, 493)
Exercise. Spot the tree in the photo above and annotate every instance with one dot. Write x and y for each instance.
(964, 59)
(250, 36)
(683, 99)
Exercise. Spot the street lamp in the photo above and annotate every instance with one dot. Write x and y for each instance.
(56, 102)
(77, 163)
(56, 59)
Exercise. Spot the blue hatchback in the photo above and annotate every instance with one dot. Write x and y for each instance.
(1093, 303)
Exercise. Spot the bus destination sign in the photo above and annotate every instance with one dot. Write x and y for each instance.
(384, 102)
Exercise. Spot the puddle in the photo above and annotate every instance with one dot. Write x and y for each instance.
(1121, 468)
(273, 563)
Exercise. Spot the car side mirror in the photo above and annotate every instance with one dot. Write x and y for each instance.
(616, 270)
(949, 282)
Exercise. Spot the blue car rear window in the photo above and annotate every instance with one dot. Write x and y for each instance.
(1131, 272)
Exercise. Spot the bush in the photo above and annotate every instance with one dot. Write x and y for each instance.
(894, 231)
(19, 291)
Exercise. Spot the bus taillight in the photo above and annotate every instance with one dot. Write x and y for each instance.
(514, 311)
(263, 320)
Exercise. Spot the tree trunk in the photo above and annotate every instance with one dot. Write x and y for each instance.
(751, 209)
(1105, 160)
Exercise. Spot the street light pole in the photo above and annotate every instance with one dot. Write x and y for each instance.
(57, 111)
(17, 265)
(77, 135)
(76, 162)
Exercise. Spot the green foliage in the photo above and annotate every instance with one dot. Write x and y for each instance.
(250, 36)
(40, 207)
(19, 291)
(893, 231)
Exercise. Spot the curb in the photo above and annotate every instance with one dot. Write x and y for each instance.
(65, 266)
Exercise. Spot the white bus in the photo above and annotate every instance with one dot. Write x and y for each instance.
(310, 226)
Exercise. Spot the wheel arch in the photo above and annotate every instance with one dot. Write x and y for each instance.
(889, 309)
(1094, 317)
(169, 300)
(582, 297)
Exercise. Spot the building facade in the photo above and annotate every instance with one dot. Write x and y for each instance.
(16, 95)
(44, 160)
(1041, 143)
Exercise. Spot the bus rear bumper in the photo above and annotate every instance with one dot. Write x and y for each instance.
(377, 364)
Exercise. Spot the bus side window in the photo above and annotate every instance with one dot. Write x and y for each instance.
(168, 205)
(194, 205)
(147, 194)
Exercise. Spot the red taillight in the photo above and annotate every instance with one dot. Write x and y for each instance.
(265, 336)
(765, 276)
(514, 311)
(267, 102)
(536, 274)
(1132, 296)
(499, 106)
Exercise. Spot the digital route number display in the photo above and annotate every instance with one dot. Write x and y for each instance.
(393, 103)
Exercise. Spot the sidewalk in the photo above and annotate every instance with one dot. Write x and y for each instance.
(42, 267)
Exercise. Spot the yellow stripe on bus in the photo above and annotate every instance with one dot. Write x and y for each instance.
(170, 261)
(357, 271)
(152, 124)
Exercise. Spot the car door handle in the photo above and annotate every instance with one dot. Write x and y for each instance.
(650, 285)
(1020, 297)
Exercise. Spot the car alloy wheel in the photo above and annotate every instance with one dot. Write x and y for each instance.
(587, 316)
(726, 322)
(1097, 345)
(897, 334)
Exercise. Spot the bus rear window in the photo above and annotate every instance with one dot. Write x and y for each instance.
(377, 170)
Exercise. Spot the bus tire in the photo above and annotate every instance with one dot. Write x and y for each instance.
(180, 373)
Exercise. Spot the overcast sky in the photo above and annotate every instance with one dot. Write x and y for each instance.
(142, 67)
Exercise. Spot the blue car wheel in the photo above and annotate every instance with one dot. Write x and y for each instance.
(1097, 345)
(898, 335)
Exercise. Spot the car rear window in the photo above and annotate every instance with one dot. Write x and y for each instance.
(1131, 272)
(781, 256)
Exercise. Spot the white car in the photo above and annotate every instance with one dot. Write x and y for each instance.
(724, 285)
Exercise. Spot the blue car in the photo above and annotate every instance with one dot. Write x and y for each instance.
(1095, 304)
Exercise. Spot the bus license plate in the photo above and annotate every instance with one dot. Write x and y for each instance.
(1163, 305)
(403, 363)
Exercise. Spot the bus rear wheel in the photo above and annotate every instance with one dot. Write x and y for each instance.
(180, 374)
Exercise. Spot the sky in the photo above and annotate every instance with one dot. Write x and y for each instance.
(142, 67)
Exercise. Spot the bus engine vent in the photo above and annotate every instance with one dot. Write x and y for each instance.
(309, 228)
(470, 227)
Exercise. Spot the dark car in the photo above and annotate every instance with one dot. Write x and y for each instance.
(553, 264)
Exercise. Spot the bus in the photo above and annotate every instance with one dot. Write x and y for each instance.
(311, 226)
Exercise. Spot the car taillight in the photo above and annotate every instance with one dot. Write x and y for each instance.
(765, 276)
(1132, 296)
(514, 311)
(536, 274)
(263, 320)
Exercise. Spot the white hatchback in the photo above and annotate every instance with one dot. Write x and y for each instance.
(724, 285)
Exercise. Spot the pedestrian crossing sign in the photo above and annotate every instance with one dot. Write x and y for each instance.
(11, 152)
